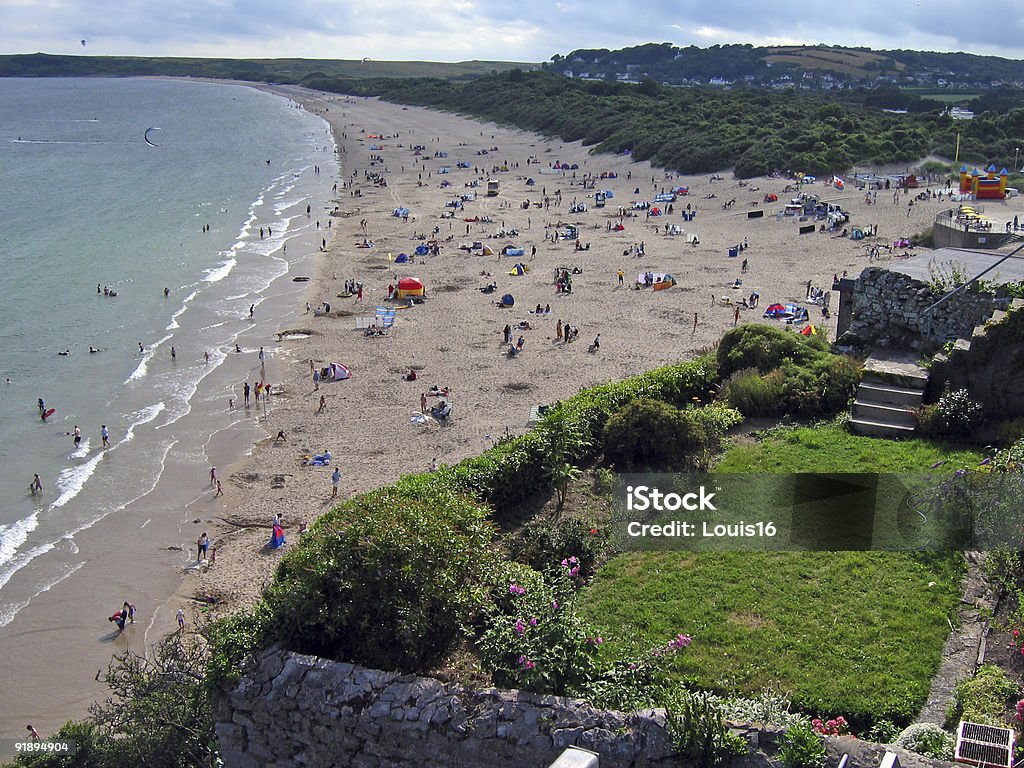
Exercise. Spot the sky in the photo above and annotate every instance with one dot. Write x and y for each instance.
(495, 30)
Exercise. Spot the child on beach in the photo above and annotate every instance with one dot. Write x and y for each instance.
(180, 616)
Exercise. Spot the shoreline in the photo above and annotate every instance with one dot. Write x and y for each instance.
(136, 552)
(454, 337)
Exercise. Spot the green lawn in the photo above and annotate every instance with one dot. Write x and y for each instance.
(852, 633)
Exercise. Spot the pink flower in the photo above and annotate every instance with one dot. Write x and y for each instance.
(525, 663)
(520, 627)
(533, 622)
(515, 589)
(554, 605)
(1016, 632)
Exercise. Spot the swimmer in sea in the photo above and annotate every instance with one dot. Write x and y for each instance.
(93, 350)
(65, 353)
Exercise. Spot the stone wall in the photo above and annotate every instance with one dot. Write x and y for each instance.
(989, 363)
(888, 310)
(289, 709)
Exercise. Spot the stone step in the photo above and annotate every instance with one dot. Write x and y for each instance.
(870, 428)
(910, 382)
(888, 394)
(900, 416)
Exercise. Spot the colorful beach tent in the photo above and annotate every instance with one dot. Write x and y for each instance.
(409, 286)
(667, 281)
(402, 258)
(519, 269)
(400, 212)
(337, 372)
(507, 300)
(775, 310)
(809, 330)
(422, 250)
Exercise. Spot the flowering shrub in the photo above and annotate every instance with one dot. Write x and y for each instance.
(927, 739)
(532, 638)
(956, 414)
(835, 727)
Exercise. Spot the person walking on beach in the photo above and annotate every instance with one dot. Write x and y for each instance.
(78, 436)
(174, 355)
(423, 404)
(316, 381)
(335, 481)
(694, 322)
(323, 404)
(202, 545)
(36, 486)
(180, 616)
(622, 276)
(261, 354)
(736, 317)
(213, 476)
(245, 393)
(105, 434)
(220, 490)
(128, 610)
(252, 311)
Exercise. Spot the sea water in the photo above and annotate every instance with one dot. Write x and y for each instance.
(92, 199)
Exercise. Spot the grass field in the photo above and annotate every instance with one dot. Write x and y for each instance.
(852, 633)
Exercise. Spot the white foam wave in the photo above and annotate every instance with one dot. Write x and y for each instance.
(13, 535)
(143, 365)
(184, 306)
(71, 480)
(218, 273)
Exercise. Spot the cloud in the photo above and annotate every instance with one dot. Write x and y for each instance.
(528, 30)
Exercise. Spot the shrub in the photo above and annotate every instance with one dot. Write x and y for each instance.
(542, 542)
(985, 698)
(926, 739)
(648, 434)
(386, 579)
(802, 747)
(955, 415)
(752, 393)
(698, 731)
(533, 638)
(764, 348)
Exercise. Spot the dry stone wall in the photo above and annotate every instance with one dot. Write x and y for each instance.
(290, 709)
(889, 311)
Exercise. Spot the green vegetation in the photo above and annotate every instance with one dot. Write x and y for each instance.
(818, 624)
(986, 698)
(859, 633)
(409, 576)
(802, 747)
(255, 70)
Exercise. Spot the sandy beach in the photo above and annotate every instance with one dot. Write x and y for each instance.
(455, 337)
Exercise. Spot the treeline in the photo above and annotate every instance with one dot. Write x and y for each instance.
(670, 64)
(702, 130)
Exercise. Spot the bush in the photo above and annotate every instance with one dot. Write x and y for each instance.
(651, 435)
(752, 393)
(764, 348)
(387, 579)
(542, 542)
(927, 739)
(985, 698)
(955, 415)
(533, 638)
(1010, 431)
(698, 731)
(802, 747)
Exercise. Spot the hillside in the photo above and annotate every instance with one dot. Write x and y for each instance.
(257, 70)
(813, 67)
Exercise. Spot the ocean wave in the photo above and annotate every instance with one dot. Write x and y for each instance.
(143, 366)
(184, 306)
(71, 481)
(13, 535)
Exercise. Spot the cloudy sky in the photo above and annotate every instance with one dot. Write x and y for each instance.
(503, 30)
